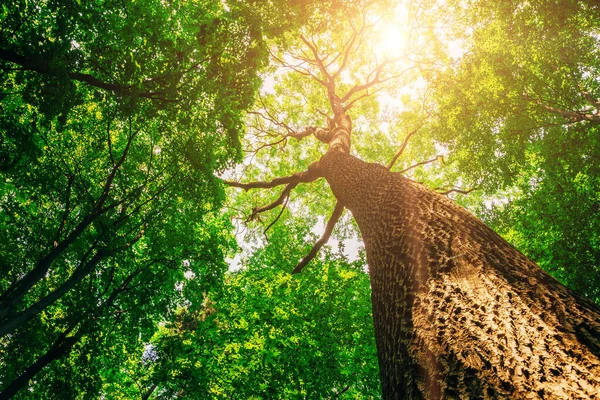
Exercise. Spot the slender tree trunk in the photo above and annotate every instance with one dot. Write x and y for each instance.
(61, 347)
(459, 312)
(16, 321)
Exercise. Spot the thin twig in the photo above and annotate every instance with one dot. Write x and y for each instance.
(422, 163)
(402, 147)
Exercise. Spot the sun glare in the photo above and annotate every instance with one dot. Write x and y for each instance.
(391, 40)
(392, 34)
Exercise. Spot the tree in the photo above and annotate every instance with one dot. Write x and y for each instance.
(458, 312)
(114, 117)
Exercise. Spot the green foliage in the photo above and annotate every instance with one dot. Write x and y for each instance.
(114, 116)
(270, 334)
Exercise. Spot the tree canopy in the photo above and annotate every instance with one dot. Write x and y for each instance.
(115, 116)
(120, 120)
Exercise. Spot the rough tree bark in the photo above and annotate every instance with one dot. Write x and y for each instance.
(459, 312)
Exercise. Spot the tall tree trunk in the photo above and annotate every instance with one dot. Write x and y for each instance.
(459, 312)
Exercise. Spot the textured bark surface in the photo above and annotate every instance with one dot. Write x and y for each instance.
(459, 312)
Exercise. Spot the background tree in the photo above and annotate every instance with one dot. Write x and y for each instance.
(114, 117)
(519, 112)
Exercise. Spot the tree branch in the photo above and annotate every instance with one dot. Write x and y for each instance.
(457, 190)
(590, 99)
(376, 79)
(571, 116)
(422, 163)
(402, 147)
(317, 59)
(358, 88)
(284, 195)
(287, 198)
(367, 94)
(299, 69)
(41, 66)
(348, 49)
(311, 174)
(335, 217)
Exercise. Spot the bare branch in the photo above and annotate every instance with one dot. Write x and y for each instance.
(283, 196)
(422, 163)
(318, 61)
(263, 185)
(298, 68)
(271, 118)
(402, 147)
(335, 217)
(278, 215)
(376, 73)
(347, 49)
(457, 190)
(367, 94)
(264, 145)
(318, 132)
(358, 88)
(311, 174)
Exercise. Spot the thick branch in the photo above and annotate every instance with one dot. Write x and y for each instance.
(311, 174)
(43, 67)
(263, 185)
(17, 290)
(590, 99)
(32, 65)
(335, 217)
(456, 190)
(63, 344)
(284, 195)
(572, 116)
(21, 318)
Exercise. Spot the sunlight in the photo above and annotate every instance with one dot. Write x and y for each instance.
(391, 40)
(392, 33)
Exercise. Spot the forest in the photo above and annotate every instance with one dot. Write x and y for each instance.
(299, 199)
